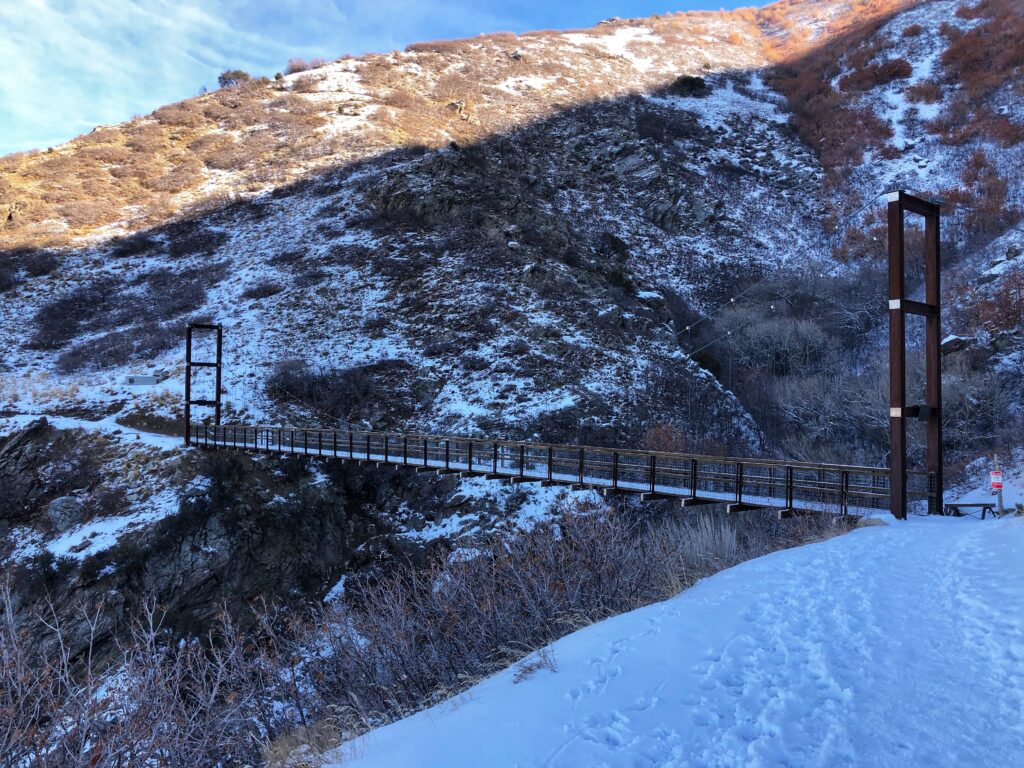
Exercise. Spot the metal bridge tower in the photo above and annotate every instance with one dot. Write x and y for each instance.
(930, 412)
(190, 364)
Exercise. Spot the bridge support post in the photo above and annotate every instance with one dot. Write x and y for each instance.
(190, 364)
(900, 306)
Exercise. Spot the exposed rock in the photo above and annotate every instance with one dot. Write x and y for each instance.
(953, 344)
(66, 512)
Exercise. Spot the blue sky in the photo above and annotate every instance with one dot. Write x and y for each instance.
(70, 65)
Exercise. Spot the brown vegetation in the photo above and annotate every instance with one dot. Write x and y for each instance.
(927, 92)
(825, 118)
(987, 213)
(301, 65)
(876, 75)
(1004, 309)
(401, 643)
(988, 56)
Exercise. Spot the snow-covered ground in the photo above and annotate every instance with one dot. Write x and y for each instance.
(896, 645)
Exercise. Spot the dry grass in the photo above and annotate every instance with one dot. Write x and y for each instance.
(259, 133)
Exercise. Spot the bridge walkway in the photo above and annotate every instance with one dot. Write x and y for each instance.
(693, 479)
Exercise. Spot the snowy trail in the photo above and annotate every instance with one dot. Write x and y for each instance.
(891, 646)
(107, 425)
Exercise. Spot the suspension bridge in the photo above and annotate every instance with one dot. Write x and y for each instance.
(695, 480)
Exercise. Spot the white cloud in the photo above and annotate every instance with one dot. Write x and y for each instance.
(70, 65)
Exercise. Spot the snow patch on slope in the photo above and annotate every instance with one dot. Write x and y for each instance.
(618, 44)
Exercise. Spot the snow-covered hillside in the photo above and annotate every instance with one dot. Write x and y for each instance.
(663, 232)
(895, 645)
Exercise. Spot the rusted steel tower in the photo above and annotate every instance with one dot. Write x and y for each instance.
(190, 364)
(930, 411)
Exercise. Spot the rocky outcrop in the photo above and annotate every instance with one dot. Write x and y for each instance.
(248, 529)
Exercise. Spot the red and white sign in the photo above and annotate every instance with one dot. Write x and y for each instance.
(997, 480)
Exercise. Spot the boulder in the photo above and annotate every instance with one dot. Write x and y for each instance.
(66, 512)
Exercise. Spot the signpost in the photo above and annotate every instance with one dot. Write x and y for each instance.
(996, 476)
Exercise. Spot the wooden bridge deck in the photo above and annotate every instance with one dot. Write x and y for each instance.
(693, 479)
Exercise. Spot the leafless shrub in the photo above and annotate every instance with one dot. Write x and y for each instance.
(88, 213)
(400, 98)
(181, 115)
(183, 176)
(689, 85)
(876, 75)
(349, 394)
(8, 279)
(109, 155)
(191, 239)
(146, 139)
(927, 92)
(402, 643)
(39, 262)
(62, 318)
(262, 290)
(301, 65)
(421, 635)
(186, 703)
(133, 245)
(139, 342)
(306, 84)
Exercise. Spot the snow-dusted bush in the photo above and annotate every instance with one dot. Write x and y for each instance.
(422, 635)
(236, 698)
(194, 702)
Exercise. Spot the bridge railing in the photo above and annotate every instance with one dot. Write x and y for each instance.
(700, 478)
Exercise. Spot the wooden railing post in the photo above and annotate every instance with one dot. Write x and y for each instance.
(583, 465)
(615, 469)
(551, 463)
(653, 471)
(789, 488)
(739, 482)
(693, 478)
